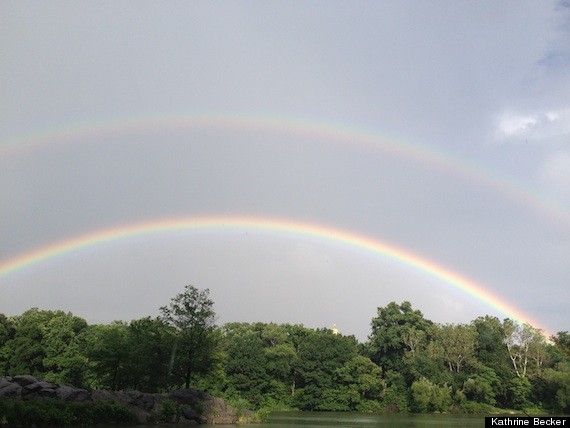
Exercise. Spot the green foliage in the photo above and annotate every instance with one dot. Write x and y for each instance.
(46, 344)
(562, 342)
(558, 379)
(481, 387)
(409, 363)
(64, 362)
(429, 397)
(519, 390)
(359, 382)
(472, 407)
(397, 330)
(241, 405)
(109, 356)
(247, 367)
(192, 316)
(394, 400)
(455, 344)
(7, 332)
(525, 345)
(491, 352)
(320, 355)
(151, 343)
(168, 411)
(56, 413)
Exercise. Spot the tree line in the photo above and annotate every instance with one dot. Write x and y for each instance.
(408, 363)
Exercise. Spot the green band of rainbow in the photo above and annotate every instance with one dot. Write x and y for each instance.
(269, 225)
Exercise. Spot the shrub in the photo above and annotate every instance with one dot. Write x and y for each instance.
(55, 413)
(168, 411)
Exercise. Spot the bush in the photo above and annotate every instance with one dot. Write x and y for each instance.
(472, 407)
(168, 411)
(55, 413)
(429, 397)
(394, 401)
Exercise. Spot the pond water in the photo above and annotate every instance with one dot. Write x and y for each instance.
(331, 419)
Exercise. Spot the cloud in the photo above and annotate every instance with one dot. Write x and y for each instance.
(551, 126)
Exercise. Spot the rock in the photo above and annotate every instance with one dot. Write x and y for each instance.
(192, 415)
(99, 395)
(24, 380)
(70, 393)
(30, 389)
(47, 393)
(218, 412)
(188, 396)
(9, 389)
(193, 406)
(39, 388)
(147, 402)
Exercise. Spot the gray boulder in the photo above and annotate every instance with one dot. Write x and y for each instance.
(70, 393)
(9, 389)
(24, 380)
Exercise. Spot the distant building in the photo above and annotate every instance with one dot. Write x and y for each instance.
(335, 330)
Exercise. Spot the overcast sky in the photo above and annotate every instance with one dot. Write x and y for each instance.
(466, 106)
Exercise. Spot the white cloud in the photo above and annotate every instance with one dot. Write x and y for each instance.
(511, 125)
(545, 126)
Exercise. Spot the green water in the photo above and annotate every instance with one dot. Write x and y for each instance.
(330, 419)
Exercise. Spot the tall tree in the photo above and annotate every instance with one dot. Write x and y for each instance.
(25, 353)
(491, 352)
(151, 343)
(7, 332)
(64, 362)
(524, 343)
(455, 344)
(320, 355)
(109, 354)
(246, 367)
(396, 330)
(45, 344)
(192, 316)
(360, 384)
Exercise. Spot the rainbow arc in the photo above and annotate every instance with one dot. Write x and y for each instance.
(279, 227)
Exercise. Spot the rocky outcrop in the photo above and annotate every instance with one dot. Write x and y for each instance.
(186, 406)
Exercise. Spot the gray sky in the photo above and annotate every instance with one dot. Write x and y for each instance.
(467, 161)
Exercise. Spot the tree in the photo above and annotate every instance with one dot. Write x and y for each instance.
(45, 344)
(359, 381)
(320, 355)
(151, 343)
(398, 330)
(192, 316)
(559, 377)
(25, 353)
(107, 348)
(455, 344)
(429, 397)
(64, 362)
(491, 351)
(281, 358)
(562, 342)
(482, 386)
(7, 332)
(246, 367)
(523, 342)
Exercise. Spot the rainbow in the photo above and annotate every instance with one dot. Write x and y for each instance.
(331, 133)
(268, 225)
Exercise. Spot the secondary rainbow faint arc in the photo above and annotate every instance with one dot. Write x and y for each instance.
(332, 132)
(343, 237)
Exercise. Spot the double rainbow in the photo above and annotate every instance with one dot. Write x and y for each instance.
(271, 226)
